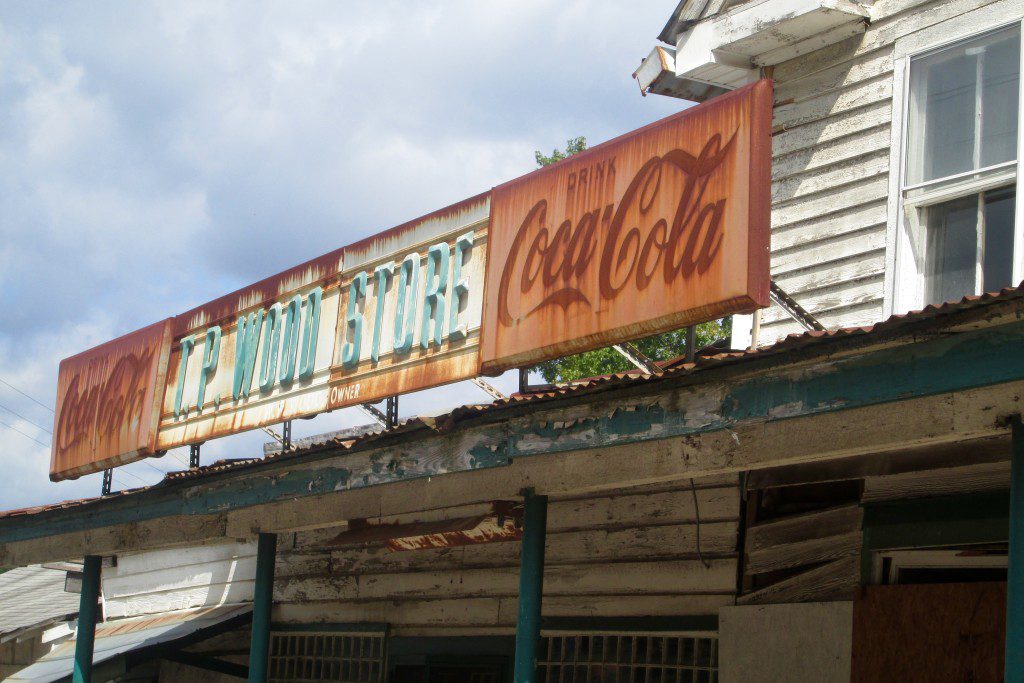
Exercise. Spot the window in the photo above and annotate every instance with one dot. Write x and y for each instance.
(326, 656)
(628, 658)
(959, 184)
(945, 565)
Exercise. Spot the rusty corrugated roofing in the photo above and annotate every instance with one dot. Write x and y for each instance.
(672, 368)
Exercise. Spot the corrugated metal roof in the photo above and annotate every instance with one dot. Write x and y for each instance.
(117, 637)
(34, 595)
(671, 369)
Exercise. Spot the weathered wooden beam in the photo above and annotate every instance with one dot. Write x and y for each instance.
(865, 402)
(940, 419)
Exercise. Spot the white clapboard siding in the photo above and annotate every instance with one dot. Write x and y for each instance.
(831, 154)
(182, 578)
(857, 219)
(814, 254)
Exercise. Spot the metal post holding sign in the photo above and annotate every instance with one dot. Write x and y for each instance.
(1014, 650)
(531, 587)
(87, 611)
(262, 601)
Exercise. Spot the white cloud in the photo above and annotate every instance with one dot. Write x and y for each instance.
(156, 155)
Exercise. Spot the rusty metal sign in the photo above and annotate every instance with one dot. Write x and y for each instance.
(658, 229)
(411, 306)
(108, 403)
(395, 313)
(256, 357)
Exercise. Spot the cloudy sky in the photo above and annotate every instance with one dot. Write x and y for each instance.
(156, 155)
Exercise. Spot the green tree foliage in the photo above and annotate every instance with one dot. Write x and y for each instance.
(605, 361)
(572, 146)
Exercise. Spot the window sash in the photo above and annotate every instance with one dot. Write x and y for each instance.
(905, 269)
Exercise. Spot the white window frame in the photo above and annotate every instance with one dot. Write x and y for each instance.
(904, 284)
(931, 559)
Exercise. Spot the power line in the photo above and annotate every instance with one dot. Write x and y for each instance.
(152, 466)
(15, 429)
(22, 417)
(3, 381)
(135, 476)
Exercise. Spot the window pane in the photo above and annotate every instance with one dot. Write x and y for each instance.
(952, 249)
(963, 107)
(1000, 100)
(998, 262)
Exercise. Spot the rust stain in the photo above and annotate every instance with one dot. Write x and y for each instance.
(660, 228)
(503, 523)
(108, 402)
(268, 290)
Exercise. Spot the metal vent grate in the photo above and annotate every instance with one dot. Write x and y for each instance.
(628, 658)
(327, 656)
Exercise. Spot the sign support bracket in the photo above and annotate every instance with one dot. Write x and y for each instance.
(193, 455)
(108, 481)
(391, 418)
(286, 436)
(795, 310)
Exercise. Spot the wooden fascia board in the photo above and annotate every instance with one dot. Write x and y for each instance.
(942, 418)
(830, 383)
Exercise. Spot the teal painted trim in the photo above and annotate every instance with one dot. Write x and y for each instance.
(262, 601)
(707, 622)
(88, 609)
(944, 364)
(1014, 668)
(531, 587)
(953, 363)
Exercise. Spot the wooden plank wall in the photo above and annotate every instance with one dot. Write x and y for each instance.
(815, 555)
(181, 578)
(631, 553)
(830, 176)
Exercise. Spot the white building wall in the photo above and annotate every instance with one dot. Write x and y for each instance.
(832, 218)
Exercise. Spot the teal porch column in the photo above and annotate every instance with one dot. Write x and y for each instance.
(262, 601)
(1015, 572)
(531, 587)
(87, 610)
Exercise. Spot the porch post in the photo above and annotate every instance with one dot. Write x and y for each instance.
(262, 600)
(531, 587)
(87, 609)
(1015, 571)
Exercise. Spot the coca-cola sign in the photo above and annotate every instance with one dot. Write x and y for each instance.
(661, 228)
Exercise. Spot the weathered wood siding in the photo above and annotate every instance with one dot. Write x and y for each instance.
(831, 159)
(632, 553)
(815, 555)
(182, 578)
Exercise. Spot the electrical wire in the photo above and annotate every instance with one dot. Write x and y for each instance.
(696, 511)
(3, 381)
(15, 429)
(22, 417)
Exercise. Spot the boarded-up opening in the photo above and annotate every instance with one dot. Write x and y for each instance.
(933, 632)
